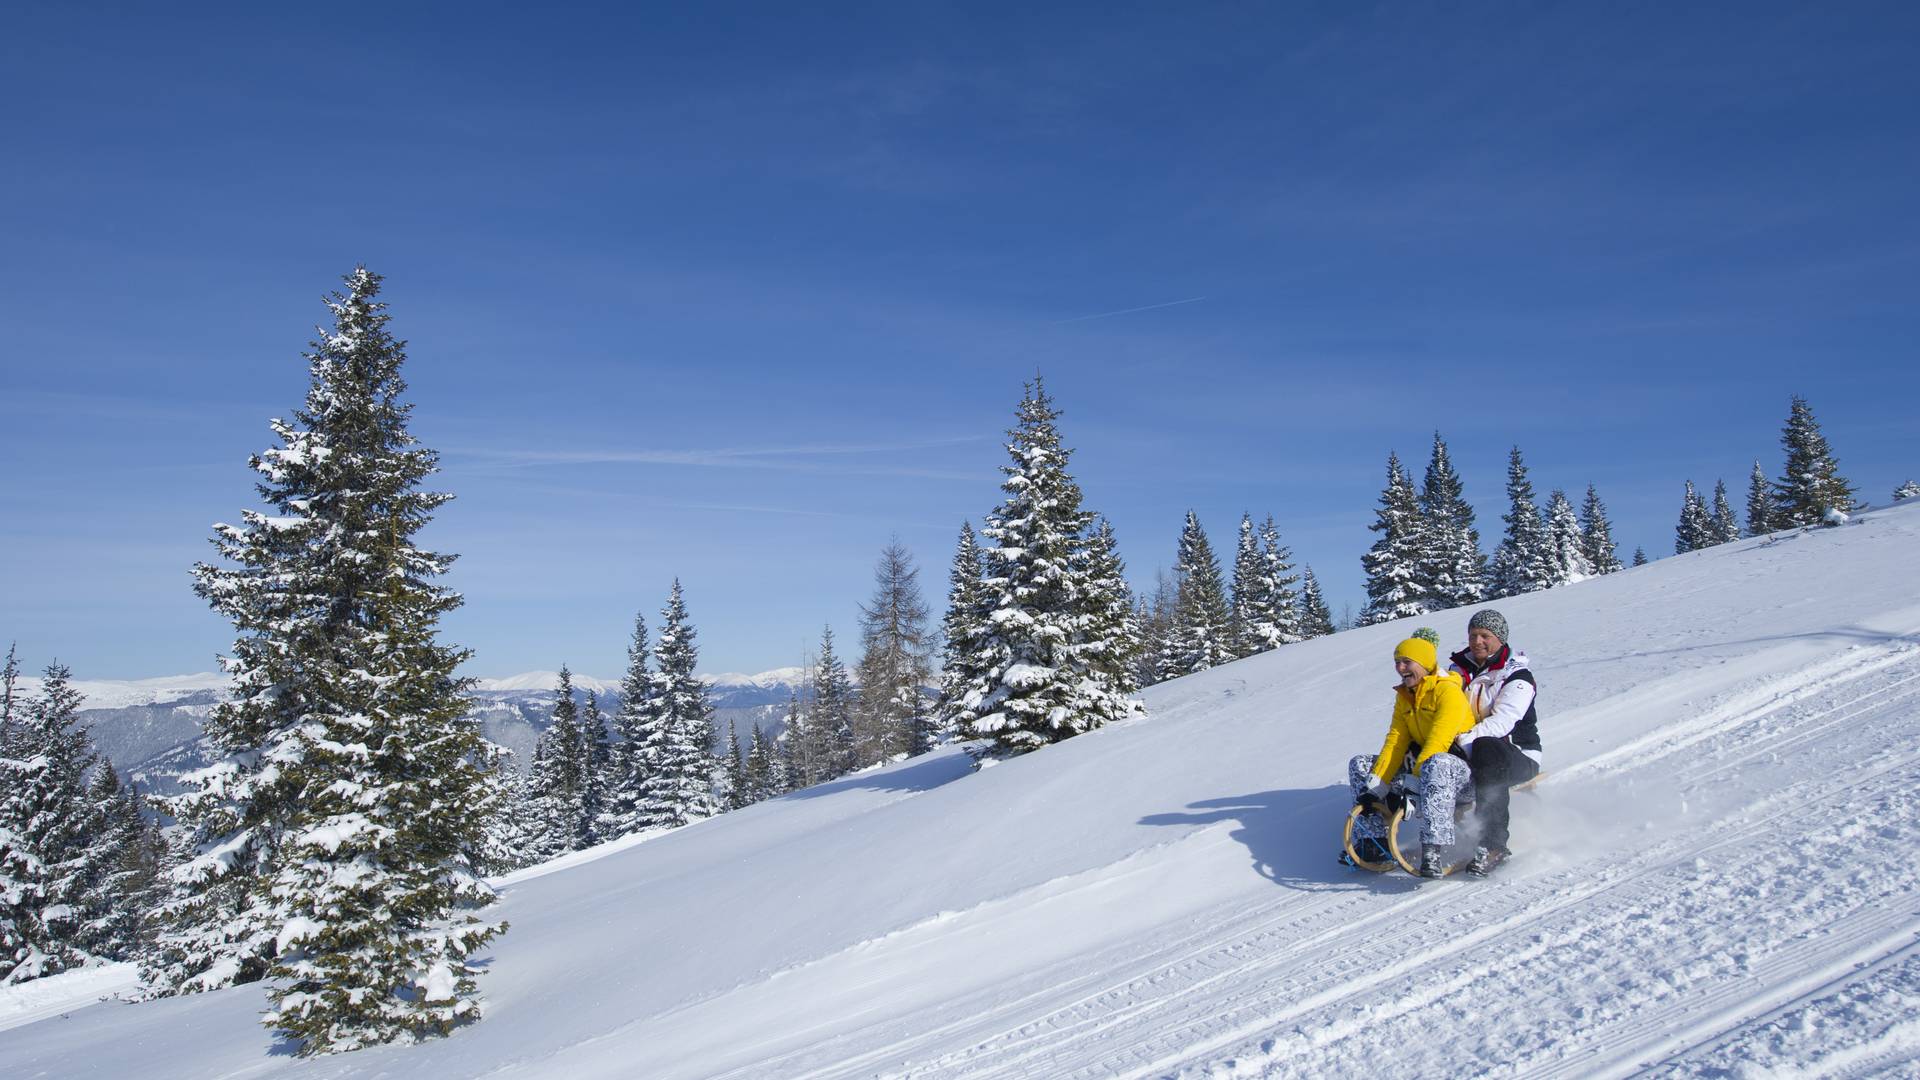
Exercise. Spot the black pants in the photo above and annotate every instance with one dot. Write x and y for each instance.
(1497, 766)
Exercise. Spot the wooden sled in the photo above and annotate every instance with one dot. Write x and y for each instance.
(1400, 859)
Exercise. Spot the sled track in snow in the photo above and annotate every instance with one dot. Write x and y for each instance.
(1809, 797)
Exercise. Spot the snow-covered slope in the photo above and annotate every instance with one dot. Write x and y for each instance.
(1717, 871)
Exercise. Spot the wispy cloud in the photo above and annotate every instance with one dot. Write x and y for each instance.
(1129, 311)
(780, 458)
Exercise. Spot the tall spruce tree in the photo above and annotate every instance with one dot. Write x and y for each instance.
(893, 716)
(1250, 599)
(132, 852)
(1315, 619)
(1725, 527)
(1596, 534)
(1451, 567)
(1810, 483)
(963, 633)
(634, 725)
(734, 763)
(679, 751)
(1202, 633)
(1395, 589)
(763, 774)
(334, 838)
(1695, 530)
(1524, 562)
(793, 748)
(1037, 682)
(1760, 509)
(1282, 626)
(1565, 541)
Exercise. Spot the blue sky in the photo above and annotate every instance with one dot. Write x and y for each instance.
(737, 292)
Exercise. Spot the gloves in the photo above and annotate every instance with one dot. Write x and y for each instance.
(1369, 800)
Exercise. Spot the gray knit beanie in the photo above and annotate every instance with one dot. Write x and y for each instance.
(1491, 621)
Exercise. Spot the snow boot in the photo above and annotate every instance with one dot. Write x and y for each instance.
(1433, 860)
(1370, 849)
(1485, 859)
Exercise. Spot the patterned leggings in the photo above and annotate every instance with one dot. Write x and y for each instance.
(1440, 784)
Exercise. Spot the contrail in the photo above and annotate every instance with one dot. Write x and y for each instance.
(1131, 310)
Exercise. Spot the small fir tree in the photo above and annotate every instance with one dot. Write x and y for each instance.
(51, 859)
(1724, 527)
(1565, 541)
(1810, 484)
(830, 719)
(634, 726)
(1695, 530)
(893, 716)
(1153, 621)
(1524, 562)
(1596, 534)
(679, 751)
(734, 762)
(1908, 490)
(1639, 556)
(596, 779)
(1202, 635)
(1110, 637)
(1761, 514)
(1315, 619)
(1393, 565)
(963, 632)
(1450, 566)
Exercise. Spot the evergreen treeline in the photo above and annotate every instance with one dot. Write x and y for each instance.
(1808, 491)
(81, 853)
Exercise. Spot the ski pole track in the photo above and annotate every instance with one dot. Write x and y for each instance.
(1217, 986)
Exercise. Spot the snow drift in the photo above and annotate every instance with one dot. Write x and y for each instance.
(1715, 876)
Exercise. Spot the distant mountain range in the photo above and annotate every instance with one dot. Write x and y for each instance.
(150, 728)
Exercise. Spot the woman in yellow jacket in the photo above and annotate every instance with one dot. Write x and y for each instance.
(1430, 711)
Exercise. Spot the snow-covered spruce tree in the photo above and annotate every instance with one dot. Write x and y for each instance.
(332, 842)
(1726, 527)
(1276, 562)
(634, 724)
(1908, 490)
(1761, 513)
(9, 696)
(1110, 637)
(1695, 530)
(963, 631)
(679, 784)
(131, 851)
(52, 858)
(1596, 534)
(1639, 556)
(1565, 541)
(1524, 562)
(893, 716)
(1250, 599)
(763, 772)
(1394, 587)
(733, 766)
(1315, 619)
(791, 763)
(1202, 633)
(1810, 484)
(1452, 569)
(1153, 621)
(1039, 680)
(830, 719)
(564, 776)
(596, 780)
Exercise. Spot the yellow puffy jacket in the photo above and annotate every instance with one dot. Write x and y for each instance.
(1428, 717)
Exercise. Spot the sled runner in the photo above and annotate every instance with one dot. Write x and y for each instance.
(1400, 860)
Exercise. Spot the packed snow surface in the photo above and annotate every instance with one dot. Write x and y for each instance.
(1715, 879)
